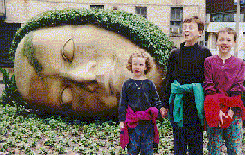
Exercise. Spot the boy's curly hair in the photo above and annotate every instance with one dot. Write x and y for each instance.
(140, 54)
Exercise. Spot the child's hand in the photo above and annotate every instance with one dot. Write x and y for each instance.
(221, 115)
(164, 112)
(121, 125)
(230, 113)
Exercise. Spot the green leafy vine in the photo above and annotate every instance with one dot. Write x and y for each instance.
(136, 28)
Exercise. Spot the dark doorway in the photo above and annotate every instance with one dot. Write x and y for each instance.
(7, 32)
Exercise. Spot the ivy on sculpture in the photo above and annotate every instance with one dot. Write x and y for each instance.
(136, 28)
(39, 88)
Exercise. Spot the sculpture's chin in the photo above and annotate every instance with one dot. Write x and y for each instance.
(95, 104)
(98, 109)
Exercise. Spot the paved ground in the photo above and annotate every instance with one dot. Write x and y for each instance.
(1, 89)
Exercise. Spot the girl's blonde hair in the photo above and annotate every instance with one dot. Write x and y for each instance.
(140, 54)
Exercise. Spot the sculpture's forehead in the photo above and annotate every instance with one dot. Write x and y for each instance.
(87, 38)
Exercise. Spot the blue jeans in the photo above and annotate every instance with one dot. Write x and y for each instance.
(141, 139)
(232, 136)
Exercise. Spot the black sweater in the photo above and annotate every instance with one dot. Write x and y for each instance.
(186, 65)
(138, 99)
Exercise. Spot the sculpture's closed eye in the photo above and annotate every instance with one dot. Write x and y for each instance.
(67, 51)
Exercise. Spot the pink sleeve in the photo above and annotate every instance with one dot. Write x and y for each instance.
(209, 86)
(238, 86)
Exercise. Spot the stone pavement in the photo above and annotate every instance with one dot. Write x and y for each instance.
(1, 88)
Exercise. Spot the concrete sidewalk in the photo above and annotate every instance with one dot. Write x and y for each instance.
(1, 89)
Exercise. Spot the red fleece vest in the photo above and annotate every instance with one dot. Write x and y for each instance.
(214, 103)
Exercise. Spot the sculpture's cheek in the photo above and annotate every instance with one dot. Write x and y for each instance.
(93, 103)
(86, 99)
(38, 92)
(66, 96)
(46, 91)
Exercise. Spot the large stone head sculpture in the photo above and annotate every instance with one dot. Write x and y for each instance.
(74, 61)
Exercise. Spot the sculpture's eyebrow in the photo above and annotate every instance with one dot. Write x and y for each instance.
(29, 52)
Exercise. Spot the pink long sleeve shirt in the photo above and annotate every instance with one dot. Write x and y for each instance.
(225, 78)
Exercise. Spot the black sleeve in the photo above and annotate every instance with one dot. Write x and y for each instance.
(122, 104)
(207, 53)
(156, 102)
(166, 88)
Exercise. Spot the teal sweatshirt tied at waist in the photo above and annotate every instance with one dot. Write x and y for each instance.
(177, 93)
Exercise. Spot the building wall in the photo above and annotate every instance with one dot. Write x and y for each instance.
(221, 7)
(158, 11)
(160, 15)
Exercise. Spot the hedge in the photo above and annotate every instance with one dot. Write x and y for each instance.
(136, 28)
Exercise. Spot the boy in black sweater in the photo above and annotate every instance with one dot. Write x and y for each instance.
(186, 67)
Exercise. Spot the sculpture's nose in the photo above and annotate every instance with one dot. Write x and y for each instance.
(90, 70)
(82, 73)
(92, 77)
(89, 75)
(99, 71)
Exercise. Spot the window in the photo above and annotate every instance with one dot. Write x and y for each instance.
(176, 21)
(2, 7)
(229, 17)
(2, 10)
(222, 17)
(96, 6)
(141, 11)
(206, 34)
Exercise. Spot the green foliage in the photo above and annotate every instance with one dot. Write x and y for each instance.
(136, 28)
(10, 93)
(32, 134)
